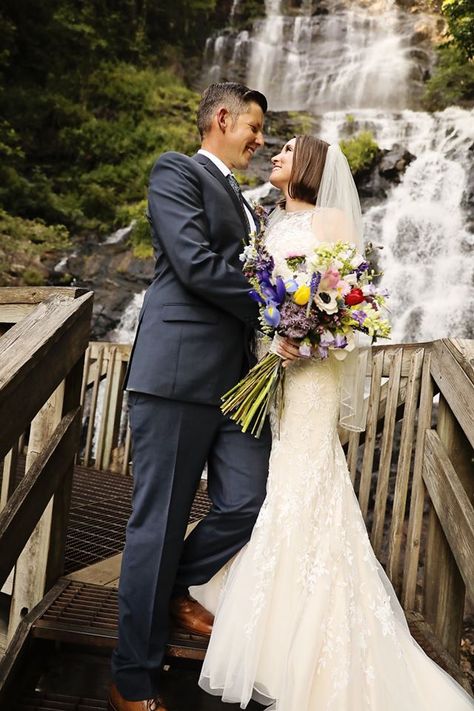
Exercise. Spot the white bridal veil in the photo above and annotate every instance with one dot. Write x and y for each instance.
(340, 219)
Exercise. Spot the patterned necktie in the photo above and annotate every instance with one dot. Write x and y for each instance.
(236, 188)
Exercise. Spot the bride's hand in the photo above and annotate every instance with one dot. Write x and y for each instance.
(286, 348)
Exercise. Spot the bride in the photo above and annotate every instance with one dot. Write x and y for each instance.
(305, 617)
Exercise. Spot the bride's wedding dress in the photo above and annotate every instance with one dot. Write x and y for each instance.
(306, 618)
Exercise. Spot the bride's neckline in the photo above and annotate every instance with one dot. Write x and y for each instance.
(288, 213)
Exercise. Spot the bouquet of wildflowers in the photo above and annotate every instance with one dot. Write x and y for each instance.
(319, 301)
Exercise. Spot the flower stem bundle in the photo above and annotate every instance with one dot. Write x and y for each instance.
(248, 402)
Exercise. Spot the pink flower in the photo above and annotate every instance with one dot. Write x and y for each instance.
(330, 279)
(343, 287)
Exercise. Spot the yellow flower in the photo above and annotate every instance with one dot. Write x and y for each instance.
(301, 295)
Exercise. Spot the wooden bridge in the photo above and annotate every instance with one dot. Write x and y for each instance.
(66, 488)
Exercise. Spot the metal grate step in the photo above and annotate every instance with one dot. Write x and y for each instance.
(59, 702)
(101, 504)
(87, 614)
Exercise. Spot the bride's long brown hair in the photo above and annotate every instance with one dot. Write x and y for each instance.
(309, 159)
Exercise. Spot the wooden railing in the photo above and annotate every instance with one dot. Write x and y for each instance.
(45, 335)
(412, 468)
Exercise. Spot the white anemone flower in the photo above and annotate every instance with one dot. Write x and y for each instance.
(327, 301)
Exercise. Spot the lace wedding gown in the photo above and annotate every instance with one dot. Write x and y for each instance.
(306, 618)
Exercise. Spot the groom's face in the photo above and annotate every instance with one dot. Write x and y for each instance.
(244, 136)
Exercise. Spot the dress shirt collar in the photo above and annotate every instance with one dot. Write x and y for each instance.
(217, 162)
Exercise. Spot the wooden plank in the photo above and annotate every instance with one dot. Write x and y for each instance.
(85, 376)
(456, 516)
(445, 587)
(93, 409)
(27, 503)
(123, 350)
(9, 472)
(462, 351)
(37, 294)
(456, 385)
(30, 576)
(415, 521)
(12, 313)
(105, 572)
(390, 351)
(386, 453)
(111, 414)
(370, 434)
(35, 356)
(354, 439)
(397, 524)
(63, 493)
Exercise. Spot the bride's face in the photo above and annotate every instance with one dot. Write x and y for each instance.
(282, 163)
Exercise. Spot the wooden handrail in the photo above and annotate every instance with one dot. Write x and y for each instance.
(41, 367)
(452, 506)
(35, 356)
(27, 503)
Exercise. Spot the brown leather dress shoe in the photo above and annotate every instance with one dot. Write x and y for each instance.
(116, 702)
(190, 615)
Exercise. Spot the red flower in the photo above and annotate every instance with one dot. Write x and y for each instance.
(355, 296)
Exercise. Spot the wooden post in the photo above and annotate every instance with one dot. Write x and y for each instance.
(418, 491)
(370, 434)
(8, 478)
(62, 497)
(403, 470)
(30, 575)
(386, 452)
(444, 586)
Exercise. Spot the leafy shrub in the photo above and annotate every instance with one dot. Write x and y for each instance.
(452, 81)
(32, 277)
(360, 151)
(460, 17)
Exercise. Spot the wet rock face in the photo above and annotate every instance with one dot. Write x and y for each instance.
(386, 171)
(113, 273)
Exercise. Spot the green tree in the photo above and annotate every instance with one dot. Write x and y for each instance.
(460, 17)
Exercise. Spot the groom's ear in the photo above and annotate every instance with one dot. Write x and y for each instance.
(223, 118)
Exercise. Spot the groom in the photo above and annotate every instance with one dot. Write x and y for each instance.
(191, 346)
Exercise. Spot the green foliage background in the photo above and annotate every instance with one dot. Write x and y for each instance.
(90, 94)
(453, 79)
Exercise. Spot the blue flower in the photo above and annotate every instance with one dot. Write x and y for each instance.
(272, 315)
(256, 296)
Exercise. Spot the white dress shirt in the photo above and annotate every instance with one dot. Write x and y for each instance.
(225, 172)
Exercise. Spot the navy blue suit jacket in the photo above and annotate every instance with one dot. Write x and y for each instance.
(197, 317)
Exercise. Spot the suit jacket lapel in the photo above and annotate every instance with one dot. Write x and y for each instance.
(214, 170)
(254, 215)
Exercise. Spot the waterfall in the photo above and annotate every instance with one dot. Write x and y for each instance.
(368, 60)
(125, 330)
(351, 57)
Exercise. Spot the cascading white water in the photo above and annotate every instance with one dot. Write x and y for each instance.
(427, 249)
(351, 57)
(368, 61)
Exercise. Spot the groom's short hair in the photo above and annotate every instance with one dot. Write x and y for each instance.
(235, 97)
